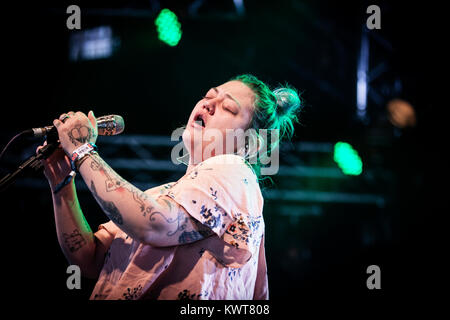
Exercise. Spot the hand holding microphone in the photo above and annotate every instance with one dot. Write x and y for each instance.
(74, 129)
(107, 126)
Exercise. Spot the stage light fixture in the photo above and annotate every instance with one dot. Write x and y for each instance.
(168, 27)
(347, 158)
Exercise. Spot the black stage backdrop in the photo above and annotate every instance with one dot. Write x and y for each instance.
(317, 245)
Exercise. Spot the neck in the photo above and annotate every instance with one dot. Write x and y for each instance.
(189, 167)
(191, 164)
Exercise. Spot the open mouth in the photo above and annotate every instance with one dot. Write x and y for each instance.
(199, 120)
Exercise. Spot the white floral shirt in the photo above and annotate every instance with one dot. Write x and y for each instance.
(222, 193)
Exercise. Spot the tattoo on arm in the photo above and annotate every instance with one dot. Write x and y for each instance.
(186, 228)
(113, 181)
(181, 225)
(80, 135)
(74, 240)
(108, 206)
(140, 198)
(180, 221)
(199, 232)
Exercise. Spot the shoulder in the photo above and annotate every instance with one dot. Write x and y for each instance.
(225, 159)
(234, 176)
(159, 190)
(229, 164)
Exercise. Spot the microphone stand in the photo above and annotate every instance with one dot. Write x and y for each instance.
(33, 162)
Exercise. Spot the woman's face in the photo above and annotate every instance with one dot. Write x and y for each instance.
(222, 110)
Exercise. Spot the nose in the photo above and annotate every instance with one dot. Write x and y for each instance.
(210, 107)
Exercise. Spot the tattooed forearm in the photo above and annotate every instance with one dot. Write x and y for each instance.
(140, 198)
(80, 135)
(113, 181)
(108, 206)
(74, 240)
(180, 221)
(157, 221)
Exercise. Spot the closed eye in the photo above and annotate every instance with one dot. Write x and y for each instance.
(230, 110)
(210, 95)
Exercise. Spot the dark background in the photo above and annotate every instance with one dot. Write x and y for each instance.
(314, 245)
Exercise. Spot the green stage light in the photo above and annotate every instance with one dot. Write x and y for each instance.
(347, 158)
(168, 27)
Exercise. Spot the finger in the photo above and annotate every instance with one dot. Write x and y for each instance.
(67, 160)
(63, 117)
(80, 114)
(57, 123)
(92, 118)
(71, 113)
(38, 148)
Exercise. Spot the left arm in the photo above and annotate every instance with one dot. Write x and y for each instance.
(158, 222)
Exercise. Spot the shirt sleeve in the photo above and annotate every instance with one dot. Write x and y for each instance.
(106, 233)
(223, 194)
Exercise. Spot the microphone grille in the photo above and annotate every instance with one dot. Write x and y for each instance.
(120, 124)
(110, 125)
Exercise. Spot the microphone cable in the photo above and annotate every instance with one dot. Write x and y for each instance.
(26, 132)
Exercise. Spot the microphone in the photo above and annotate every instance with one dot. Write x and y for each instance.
(107, 126)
